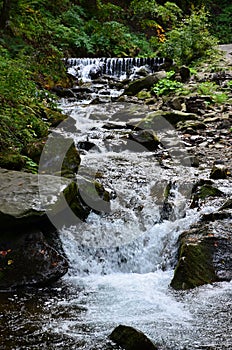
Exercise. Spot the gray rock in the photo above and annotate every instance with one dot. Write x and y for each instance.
(144, 83)
(147, 138)
(172, 116)
(26, 198)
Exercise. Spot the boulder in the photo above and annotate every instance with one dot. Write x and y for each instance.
(219, 171)
(32, 209)
(28, 199)
(205, 253)
(203, 190)
(144, 83)
(147, 138)
(95, 72)
(25, 199)
(130, 338)
(154, 119)
(185, 74)
(26, 259)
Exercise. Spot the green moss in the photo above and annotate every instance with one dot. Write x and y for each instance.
(143, 95)
(195, 265)
(209, 191)
(12, 160)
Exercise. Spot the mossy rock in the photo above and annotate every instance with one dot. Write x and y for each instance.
(34, 149)
(136, 86)
(143, 95)
(60, 157)
(209, 191)
(147, 138)
(12, 160)
(93, 195)
(159, 120)
(130, 338)
(183, 125)
(195, 266)
(205, 254)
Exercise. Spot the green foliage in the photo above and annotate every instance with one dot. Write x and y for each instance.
(213, 90)
(21, 104)
(221, 20)
(152, 14)
(109, 11)
(30, 165)
(190, 39)
(40, 33)
(167, 85)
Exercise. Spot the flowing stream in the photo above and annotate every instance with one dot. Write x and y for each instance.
(122, 260)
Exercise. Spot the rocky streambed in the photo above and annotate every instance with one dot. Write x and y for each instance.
(149, 179)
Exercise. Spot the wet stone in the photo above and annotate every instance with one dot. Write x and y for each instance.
(130, 338)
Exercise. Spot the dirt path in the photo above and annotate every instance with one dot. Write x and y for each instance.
(228, 51)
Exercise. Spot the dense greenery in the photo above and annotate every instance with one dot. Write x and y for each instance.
(35, 35)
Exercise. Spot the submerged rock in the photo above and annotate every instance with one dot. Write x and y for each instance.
(130, 338)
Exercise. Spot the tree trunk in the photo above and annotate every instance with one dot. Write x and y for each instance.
(5, 13)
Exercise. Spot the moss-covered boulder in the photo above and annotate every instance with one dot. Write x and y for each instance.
(130, 338)
(202, 190)
(205, 253)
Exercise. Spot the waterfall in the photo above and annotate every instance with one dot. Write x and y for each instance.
(85, 68)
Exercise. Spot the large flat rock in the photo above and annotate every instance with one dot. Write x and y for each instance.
(26, 198)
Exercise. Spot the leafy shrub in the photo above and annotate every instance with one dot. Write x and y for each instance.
(222, 24)
(189, 40)
(212, 89)
(167, 85)
(20, 105)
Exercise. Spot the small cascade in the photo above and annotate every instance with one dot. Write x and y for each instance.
(120, 68)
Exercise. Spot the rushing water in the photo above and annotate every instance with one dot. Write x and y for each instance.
(122, 260)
